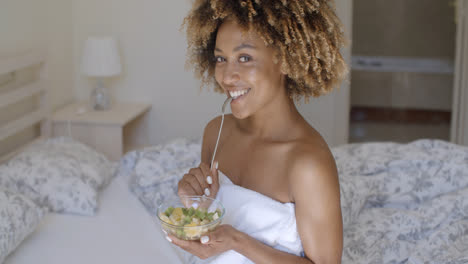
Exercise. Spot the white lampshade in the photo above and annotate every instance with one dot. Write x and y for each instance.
(101, 57)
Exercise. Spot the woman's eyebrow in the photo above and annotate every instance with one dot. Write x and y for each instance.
(241, 46)
(245, 46)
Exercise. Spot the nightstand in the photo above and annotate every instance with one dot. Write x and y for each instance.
(102, 130)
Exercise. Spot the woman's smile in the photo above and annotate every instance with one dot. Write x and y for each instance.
(238, 95)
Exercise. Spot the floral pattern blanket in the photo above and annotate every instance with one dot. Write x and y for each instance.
(401, 203)
(404, 203)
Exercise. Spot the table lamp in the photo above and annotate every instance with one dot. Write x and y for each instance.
(100, 59)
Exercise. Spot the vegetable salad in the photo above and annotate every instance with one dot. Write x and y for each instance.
(191, 223)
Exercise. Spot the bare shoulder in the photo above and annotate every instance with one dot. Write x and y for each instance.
(311, 164)
(315, 190)
(210, 134)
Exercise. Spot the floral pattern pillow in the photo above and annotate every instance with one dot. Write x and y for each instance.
(61, 174)
(152, 196)
(19, 216)
(153, 173)
(155, 163)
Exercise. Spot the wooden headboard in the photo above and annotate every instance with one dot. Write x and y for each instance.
(24, 110)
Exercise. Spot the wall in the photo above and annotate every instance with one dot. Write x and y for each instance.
(402, 90)
(421, 29)
(27, 25)
(153, 52)
(60, 64)
(22, 25)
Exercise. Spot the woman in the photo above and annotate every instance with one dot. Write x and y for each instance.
(264, 54)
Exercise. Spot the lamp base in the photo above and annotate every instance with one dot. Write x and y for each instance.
(100, 98)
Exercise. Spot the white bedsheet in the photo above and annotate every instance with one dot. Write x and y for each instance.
(121, 232)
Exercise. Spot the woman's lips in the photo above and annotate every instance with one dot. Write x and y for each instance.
(236, 95)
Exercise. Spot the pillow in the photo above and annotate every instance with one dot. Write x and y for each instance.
(19, 216)
(60, 174)
(153, 173)
(165, 189)
(157, 163)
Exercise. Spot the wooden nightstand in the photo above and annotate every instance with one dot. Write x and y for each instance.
(102, 130)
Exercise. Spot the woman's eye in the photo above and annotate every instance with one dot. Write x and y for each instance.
(219, 59)
(244, 59)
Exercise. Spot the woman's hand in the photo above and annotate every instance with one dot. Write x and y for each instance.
(200, 181)
(222, 239)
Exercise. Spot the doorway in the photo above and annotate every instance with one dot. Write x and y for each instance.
(402, 70)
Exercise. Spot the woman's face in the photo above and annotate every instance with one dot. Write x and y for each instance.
(245, 70)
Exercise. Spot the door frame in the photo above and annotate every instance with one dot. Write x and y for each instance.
(459, 121)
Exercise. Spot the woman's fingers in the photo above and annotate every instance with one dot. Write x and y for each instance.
(208, 179)
(211, 179)
(185, 189)
(199, 173)
(215, 175)
(189, 185)
(184, 244)
(200, 181)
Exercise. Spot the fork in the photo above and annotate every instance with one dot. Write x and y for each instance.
(226, 102)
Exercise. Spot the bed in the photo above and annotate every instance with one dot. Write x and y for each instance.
(401, 203)
(71, 213)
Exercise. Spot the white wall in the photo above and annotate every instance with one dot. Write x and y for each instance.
(60, 62)
(22, 25)
(26, 25)
(30, 25)
(153, 52)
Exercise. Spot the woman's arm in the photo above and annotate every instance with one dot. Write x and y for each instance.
(316, 194)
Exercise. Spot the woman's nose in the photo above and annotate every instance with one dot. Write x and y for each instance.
(230, 74)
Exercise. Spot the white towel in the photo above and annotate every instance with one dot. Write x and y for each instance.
(267, 220)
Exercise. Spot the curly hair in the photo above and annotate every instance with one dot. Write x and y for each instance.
(306, 34)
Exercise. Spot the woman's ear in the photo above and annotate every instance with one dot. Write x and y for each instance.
(283, 71)
(279, 62)
(283, 68)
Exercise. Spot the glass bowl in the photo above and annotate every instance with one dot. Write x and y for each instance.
(191, 231)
